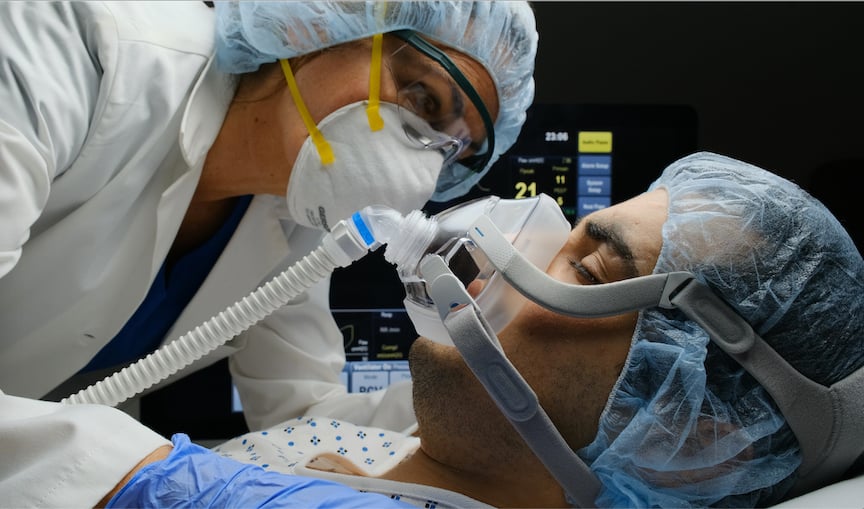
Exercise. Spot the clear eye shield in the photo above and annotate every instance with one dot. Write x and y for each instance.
(825, 420)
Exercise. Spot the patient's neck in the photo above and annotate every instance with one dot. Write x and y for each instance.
(507, 486)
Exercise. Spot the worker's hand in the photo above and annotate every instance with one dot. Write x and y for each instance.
(192, 476)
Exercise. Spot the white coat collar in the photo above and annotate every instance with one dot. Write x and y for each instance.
(208, 102)
(202, 119)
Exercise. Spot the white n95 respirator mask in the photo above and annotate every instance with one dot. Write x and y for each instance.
(371, 167)
(535, 227)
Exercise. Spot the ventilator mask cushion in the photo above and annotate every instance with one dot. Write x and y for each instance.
(371, 167)
(534, 226)
(685, 425)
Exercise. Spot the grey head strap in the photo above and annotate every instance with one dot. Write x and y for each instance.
(828, 422)
(481, 350)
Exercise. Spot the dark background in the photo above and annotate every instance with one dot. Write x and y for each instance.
(776, 84)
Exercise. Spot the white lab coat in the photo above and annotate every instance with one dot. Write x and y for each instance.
(106, 116)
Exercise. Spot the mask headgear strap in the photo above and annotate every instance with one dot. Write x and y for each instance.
(482, 352)
(828, 422)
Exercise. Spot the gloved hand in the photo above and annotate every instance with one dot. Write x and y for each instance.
(192, 476)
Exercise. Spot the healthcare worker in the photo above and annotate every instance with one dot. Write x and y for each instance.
(152, 174)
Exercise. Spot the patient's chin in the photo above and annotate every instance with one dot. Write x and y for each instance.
(429, 360)
(439, 375)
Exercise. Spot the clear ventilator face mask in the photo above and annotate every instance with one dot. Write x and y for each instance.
(504, 245)
(535, 227)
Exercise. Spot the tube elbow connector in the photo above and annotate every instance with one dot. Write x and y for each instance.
(407, 237)
(344, 245)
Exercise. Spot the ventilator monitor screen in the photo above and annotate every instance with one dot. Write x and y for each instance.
(585, 156)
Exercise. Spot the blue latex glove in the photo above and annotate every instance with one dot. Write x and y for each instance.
(192, 476)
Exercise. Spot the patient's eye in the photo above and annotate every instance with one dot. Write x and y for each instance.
(598, 253)
(583, 272)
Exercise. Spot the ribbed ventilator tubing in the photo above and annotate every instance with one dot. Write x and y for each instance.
(218, 330)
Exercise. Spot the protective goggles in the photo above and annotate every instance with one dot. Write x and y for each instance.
(431, 99)
(435, 101)
(826, 421)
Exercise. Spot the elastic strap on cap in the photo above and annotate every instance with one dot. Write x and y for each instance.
(324, 150)
(376, 123)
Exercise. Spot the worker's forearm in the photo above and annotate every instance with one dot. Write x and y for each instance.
(159, 454)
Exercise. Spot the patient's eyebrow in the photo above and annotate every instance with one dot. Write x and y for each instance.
(608, 234)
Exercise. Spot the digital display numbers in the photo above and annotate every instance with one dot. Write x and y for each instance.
(557, 136)
(579, 180)
(552, 175)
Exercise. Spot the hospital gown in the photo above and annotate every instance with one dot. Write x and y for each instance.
(342, 452)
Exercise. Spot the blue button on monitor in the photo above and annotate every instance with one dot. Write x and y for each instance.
(595, 165)
(588, 204)
(595, 186)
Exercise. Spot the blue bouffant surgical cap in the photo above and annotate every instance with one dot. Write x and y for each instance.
(500, 35)
(686, 426)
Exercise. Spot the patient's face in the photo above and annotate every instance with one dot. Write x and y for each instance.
(571, 363)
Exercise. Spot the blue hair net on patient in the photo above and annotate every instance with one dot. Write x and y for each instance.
(686, 426)
(500, 35)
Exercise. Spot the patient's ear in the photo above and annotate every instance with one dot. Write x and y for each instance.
(713, 433)
(709, 440)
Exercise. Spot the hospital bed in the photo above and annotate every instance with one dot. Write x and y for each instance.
(840, 495)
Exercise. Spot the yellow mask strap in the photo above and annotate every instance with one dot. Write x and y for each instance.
(376, 123)
(324, 150)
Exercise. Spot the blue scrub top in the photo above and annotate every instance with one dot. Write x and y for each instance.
(168, 296)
